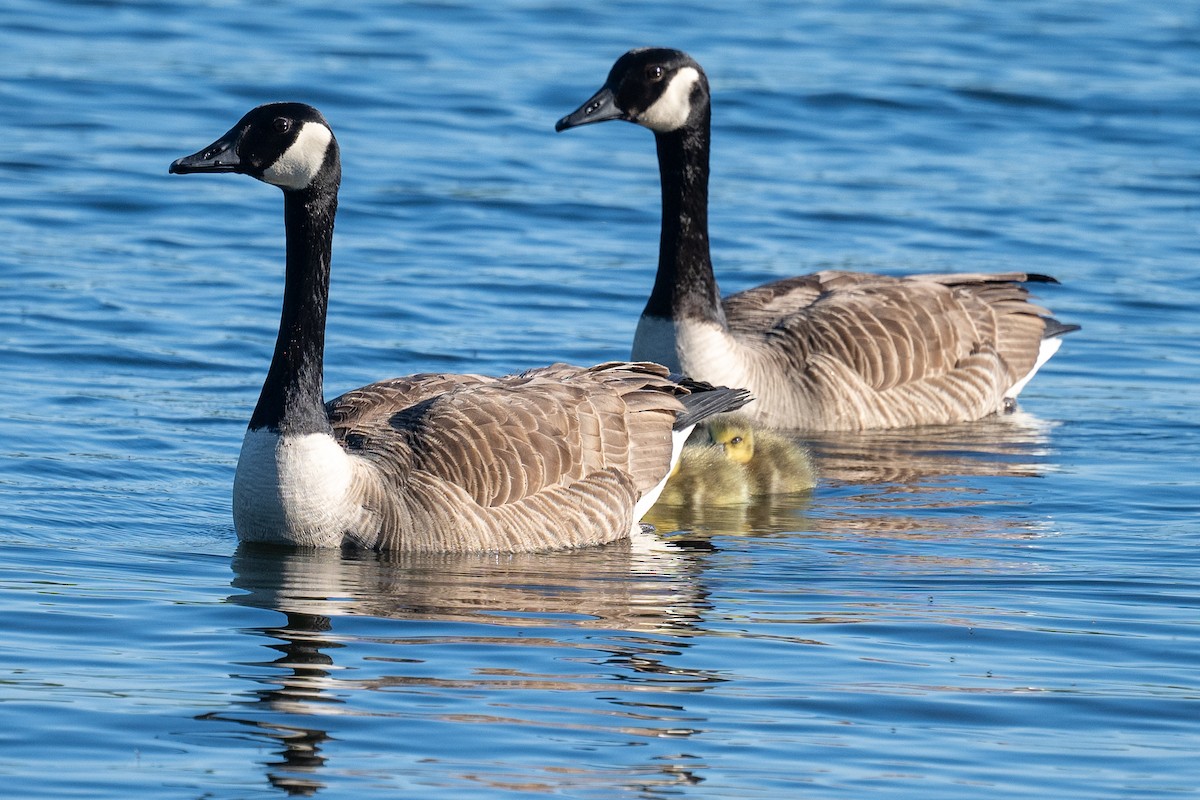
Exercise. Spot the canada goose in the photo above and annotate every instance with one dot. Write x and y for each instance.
(774, 464)
(706, 476)
(827, 351)
(555, 457)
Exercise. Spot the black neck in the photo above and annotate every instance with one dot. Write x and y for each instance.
(291, 399)
(685, 285)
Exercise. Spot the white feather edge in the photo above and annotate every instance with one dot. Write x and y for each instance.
(1047, 349)
(646, 501)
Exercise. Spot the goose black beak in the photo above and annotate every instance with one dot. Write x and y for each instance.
(220, 156)
(600, 107)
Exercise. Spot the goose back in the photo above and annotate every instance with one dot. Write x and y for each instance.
(847, 350)
(553, 457)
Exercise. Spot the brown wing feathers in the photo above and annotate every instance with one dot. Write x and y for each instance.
(858, 346)
(554, 457)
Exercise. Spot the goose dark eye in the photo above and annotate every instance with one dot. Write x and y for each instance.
(736, 440)
(654, 73)
(281, 124)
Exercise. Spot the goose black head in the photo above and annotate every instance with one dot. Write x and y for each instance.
(658, 88)
(289, 145)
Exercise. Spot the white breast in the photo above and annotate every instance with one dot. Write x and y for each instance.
(698, 349)
(293, 490)
(708, 353)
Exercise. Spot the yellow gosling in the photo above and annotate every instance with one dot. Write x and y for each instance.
(774, 463)
(705, 476)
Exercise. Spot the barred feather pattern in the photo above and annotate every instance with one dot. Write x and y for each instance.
(852, 351)
(552, 458)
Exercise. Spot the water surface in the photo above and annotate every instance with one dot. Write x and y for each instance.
(1003, 609)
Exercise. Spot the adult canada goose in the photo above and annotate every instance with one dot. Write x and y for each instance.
(774, 463)
(827, 351)
(553, 458)
(706, 476)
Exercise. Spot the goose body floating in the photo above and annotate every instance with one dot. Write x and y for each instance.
(828, 351)
(555, 457)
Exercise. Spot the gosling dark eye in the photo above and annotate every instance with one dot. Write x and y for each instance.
(281, 124)
(654, 73)
(736, 440)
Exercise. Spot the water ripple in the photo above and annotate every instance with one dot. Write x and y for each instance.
(1001, 606)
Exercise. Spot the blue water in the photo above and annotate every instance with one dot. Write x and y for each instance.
(1009, 609)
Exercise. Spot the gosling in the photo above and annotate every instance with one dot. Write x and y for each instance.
(773, 463)
(706, 476)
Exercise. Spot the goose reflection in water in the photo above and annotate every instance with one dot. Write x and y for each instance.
(915, 459)
(926, 482)
(304, 669)
(648, 598)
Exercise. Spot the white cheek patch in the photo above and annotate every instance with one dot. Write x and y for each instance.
(671, 111)
(300, 163)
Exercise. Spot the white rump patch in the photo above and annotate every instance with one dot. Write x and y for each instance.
(1048, 348)
(292, 490)
(300, 163)
(671, 111)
